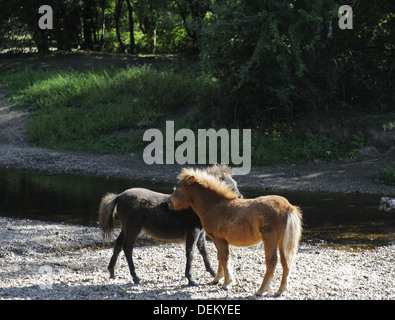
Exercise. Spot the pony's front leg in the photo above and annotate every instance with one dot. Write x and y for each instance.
(223, 259)
(220, 273)
(202, 246)
(191, 240)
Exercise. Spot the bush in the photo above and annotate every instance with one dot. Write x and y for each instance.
(387, 175)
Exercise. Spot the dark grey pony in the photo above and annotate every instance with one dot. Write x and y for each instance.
(142, 209)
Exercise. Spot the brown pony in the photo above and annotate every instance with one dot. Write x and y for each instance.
(240, 222)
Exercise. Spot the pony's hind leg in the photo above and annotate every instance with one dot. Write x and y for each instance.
(270, 246)
(128, 245)
(283, 286)
(202, 246)
(117, 249)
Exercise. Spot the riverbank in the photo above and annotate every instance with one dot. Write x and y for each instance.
(41, 260)
(353, 176)
(347, 176)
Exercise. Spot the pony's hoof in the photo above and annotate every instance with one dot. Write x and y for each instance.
(216, 280)
(136, 280)
(226, 286)
(192, 283)
(212, 272)
(111, 272)
(260, 293)
(281, 291)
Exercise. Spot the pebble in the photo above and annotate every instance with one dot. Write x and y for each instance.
(42, 260)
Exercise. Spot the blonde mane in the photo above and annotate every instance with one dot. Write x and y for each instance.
(209, 181)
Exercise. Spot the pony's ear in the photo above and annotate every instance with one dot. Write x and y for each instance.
(190, 179)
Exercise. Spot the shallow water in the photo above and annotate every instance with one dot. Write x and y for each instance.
(333, 219)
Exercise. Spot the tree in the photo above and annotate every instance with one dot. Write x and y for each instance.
(131, 27)
(365, 57)
(67, 19)
(88, 24)
(148, 13)
(192, 13)
(118, 10)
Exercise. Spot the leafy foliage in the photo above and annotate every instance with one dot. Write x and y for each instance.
(275, 60)
(387, 175)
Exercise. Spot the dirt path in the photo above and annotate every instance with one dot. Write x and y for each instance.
(345, 176)
(12, 123)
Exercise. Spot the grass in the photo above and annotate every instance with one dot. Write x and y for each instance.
(82, 110)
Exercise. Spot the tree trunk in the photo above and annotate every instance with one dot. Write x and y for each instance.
(131, 27)
(87, 16)
(154, 41)
(103, 28)
(41, 39)
(117, 18)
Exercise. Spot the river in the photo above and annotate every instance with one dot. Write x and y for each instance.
(333, 219)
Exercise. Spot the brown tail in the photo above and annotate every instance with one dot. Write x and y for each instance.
(293, 232)
(106, 214)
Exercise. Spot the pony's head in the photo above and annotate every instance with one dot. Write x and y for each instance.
(225, 173)
(181, 198)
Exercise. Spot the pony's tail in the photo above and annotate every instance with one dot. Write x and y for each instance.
(292, 234)
(106, 214)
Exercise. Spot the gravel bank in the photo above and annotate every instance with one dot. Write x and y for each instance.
(40, 260)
